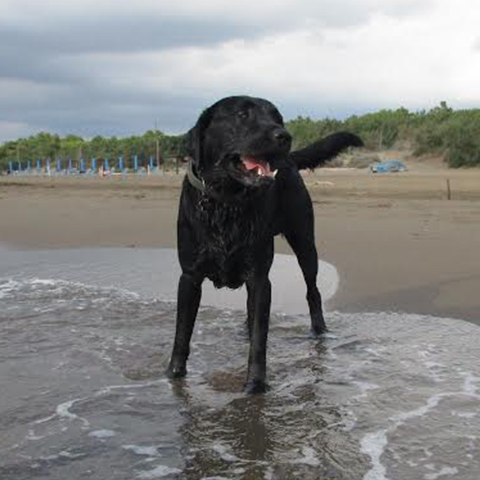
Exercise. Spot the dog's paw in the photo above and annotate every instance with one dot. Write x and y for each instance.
(255, 387)
(318, 326)
(176, 371)
(317, 334)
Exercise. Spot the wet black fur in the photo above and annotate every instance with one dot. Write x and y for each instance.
(229, 233)
(226, 233)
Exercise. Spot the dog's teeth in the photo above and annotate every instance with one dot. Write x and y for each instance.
(275, 173)
(259, 171)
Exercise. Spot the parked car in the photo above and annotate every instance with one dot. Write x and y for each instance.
(388, 167)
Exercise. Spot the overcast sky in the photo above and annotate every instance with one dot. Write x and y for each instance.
(114, 68)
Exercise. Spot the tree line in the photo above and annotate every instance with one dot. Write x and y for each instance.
(152, 144)
(453, 134)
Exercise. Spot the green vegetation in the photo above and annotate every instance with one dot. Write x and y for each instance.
(453, 134)
(46, 145)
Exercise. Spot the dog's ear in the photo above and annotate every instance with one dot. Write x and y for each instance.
(193, 142)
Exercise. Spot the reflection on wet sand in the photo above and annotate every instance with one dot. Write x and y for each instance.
(284, 434)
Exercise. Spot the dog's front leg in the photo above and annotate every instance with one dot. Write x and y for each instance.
(189, 294)
(261, 290)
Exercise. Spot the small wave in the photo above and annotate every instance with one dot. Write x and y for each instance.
(102, 434)
(159, 472)
(84, 366)
(10, 287)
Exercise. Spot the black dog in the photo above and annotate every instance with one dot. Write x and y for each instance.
(243, 187)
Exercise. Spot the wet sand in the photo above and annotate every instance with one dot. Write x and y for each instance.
(397, 242)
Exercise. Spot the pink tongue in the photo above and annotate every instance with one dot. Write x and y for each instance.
(251, 163)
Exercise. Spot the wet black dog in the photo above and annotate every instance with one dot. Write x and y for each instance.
(243, 187)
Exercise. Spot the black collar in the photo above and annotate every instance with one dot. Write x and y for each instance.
(193, 179)
(199, 184)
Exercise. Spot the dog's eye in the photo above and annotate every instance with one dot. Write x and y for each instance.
(243, 114)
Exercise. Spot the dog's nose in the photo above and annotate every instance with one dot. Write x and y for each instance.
(282, 137)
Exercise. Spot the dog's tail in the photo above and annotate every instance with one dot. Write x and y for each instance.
(319, 152)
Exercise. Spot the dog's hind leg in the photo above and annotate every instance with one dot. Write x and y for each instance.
(308, 261)
(189, 294)
(306, 253)
(298, 228)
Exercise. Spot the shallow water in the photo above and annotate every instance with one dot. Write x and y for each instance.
(155, 273)
(382, 396)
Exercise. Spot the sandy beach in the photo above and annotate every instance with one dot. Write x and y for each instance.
(398, 243)
(87, 330)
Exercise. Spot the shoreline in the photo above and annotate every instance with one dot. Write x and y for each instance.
(397, 243)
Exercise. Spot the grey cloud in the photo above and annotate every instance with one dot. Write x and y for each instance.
(37, 54)
(53, 53)
(91, 108)
(139, 32)
(120, 35)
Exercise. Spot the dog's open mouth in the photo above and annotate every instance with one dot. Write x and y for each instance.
(257, 167)
(246, 170)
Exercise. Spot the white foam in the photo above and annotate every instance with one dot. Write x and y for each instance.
(64, 454)
(442, 473)
(102, 433)
(46, 282)
(469, 386)
(376, 352)
(63, 411)
(33, 437)
(8, 287)
(224, 455)
(402, 417)
(159, 472)
(108, 389)
(309, 457)
(142, 450)
(59, 285)
(223, 478)
(44, 420)
(374, 444)
(364, 387)
(468, 415)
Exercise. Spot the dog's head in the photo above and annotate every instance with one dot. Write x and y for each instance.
(239, 143)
